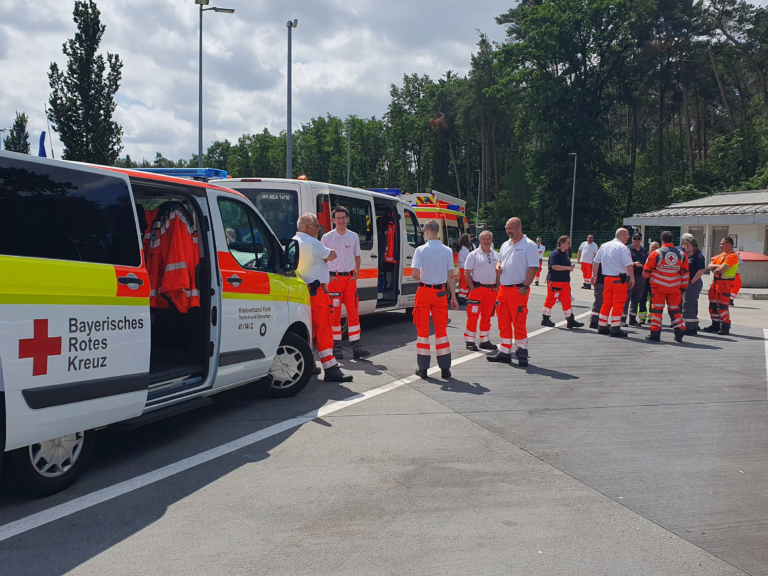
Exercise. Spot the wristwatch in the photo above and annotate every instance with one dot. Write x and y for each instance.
(526, 286)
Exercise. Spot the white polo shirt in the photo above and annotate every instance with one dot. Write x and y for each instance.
(516, 259)
(541, 249)
(614, 257)
(588, 252)
(433, 260)
(311, 259)
(482, 266)
(463, 253)
(346, 245)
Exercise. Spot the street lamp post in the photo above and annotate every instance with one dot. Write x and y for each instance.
(477, 212)
(202, 3)
(573, 195)
(349, 146)
(289, 145)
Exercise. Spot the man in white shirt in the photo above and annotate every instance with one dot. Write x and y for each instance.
(343, 285)
(585, 258)
(313, 269)
(518, 264)
(481, 275)
(433, 268)
(540, 248)
(616, 262)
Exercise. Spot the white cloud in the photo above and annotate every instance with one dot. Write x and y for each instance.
(346, 53)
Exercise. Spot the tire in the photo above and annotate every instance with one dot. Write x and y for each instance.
(74, 449)
(291, 368)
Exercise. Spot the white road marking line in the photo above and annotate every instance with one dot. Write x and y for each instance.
(89, 500)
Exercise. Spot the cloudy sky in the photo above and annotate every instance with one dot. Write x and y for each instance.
(346, 54)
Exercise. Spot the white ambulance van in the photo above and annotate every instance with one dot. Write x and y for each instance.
(129, 297)
(388, 228)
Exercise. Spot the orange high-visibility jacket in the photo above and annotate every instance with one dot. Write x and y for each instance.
(389, 255)
(667, 267)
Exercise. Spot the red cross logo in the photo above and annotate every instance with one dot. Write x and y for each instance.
(39, 348)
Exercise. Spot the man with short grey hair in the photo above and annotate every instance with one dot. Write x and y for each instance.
(617, 266)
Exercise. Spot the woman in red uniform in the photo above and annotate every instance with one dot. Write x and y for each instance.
(559, 285)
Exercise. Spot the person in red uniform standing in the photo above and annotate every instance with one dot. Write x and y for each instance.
(518, 264)
(465, 247)
(482, 281)
(313, 269)
(344, 271)
(433, 269)
(667, 268)
(617, 267)
(724, 268)
(541, 249)
(559, 285)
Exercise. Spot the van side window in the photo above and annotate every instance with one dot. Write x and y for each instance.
(413, 229)
(60, 213)
(247, 237)
(360, 220)
(323, 214)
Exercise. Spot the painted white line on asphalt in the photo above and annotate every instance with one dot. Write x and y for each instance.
(89, 500)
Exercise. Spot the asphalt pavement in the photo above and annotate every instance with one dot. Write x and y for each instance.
(603, 456)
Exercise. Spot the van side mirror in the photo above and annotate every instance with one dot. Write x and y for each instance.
(291, 256)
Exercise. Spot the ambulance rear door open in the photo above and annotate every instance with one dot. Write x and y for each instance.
(413, 239)
(74, 300)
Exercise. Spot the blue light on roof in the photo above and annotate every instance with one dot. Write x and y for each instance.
(387, 191)
(197, 173)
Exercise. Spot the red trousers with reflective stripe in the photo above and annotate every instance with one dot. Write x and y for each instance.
(480, 304)
(541, 263)
(463, 288)
(512, 312)
(434, 302)
(321, 326)
(586, 272)
(558, 291)
(614, 297)
(343, 290)
(736, 286)
(673, 299)
(720, 299)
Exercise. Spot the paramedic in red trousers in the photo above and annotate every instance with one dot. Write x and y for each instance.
(541, 249)
(313, 269)
(559, 284)
(518, 264)
(343, 285)
(618, 269)
(433, 268)
(481, 275)
(584, 258)
(667, 271)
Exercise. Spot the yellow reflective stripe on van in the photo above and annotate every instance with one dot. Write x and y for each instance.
(58, 282)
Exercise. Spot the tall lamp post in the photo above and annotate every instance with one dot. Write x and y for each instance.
(349, 146)
(203, 3)
(477, 212)
(573, 195)
(289, 161)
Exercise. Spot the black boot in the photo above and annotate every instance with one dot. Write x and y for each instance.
(445, 373)
(421, 373)
(594, 325)
(731, 303)
(316, 370)
(713, 329)
(633, 321)
(535, 282)
(603, 330)
(359, 351)
(472, 346)
(679, 333)
(691, 331)
(584, 286)
(617, 332)
(570, 322)
(488, 346)
(654, 336)
(334, 374)
(624, 322)
(545, 321)
(522, 356)
(338, 353)
(499, 357)
(725, 329)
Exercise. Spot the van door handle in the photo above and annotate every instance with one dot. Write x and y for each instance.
(235, 280)
(374, 256)
(131, 280)
(408, 257)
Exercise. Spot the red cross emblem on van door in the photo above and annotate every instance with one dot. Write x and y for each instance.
(39, 348)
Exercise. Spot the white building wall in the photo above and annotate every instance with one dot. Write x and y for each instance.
(751, 237)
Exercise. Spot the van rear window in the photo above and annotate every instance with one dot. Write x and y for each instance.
(280, 208)
(60, 213)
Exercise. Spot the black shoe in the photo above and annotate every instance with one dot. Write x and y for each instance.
(725, 329)
(624, 324)
(633, 321)
(691, 331)
(714, 328)
(571, 322)
(445, 373)
(421, 373)
(499, 357)
(338, 353)
(603, 330)
(334, 374)
(545, 321)
(522, 356)
(654, 336)
(679, 333)
(488, 346)
(316, 369)
(536, 283)
(618, 333)
(589, 286)
(584, 287)
(361, 353)
(472, 346)
(731, 303)
(594, 325)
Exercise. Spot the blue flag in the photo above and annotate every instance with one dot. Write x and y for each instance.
(41, 151)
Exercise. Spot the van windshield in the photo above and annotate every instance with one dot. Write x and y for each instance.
(280, 208)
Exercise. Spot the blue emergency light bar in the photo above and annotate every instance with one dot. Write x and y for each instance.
(387, 191)
(196, 173)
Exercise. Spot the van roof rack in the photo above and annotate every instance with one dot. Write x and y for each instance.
(203, 174)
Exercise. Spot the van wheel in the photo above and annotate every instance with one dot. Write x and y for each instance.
(291, 368)
(48, 467)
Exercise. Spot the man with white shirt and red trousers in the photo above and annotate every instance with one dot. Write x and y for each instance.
(618, 269)
(481, 277)
(344, 271)
(585, 258)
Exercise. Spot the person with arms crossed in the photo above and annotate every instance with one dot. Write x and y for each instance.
(617, 266)
(724, 267)
(482, 280)
(696, 268)
(667, 271)
(313, 269)
(518, 264)
(585, 258)
(540, 248)
(559, 284)
(433, 269)
(635, 294)
(344, 271)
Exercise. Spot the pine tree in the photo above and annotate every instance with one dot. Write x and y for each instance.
(18, 139)
(82, 100)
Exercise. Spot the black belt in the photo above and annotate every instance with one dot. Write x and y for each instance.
(514, 285)
(720, 279)
(342, 273)
(434, 286)
(491, 286)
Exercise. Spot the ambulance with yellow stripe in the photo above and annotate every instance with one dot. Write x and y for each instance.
(127, 296)
(387, 225)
